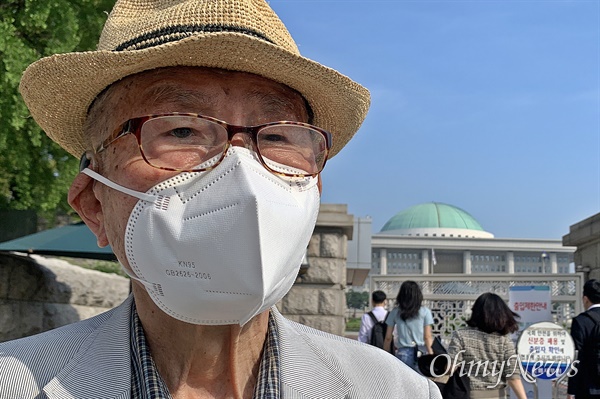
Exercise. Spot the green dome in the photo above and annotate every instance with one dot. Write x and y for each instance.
(432, 215)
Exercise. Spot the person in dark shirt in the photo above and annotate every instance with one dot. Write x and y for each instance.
(585, 330)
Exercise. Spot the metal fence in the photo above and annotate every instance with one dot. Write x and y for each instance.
(451, 296)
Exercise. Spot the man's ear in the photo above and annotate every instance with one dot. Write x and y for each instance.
(83, 199)
(586, 302)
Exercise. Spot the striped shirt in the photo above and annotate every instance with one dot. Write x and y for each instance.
(146, 382)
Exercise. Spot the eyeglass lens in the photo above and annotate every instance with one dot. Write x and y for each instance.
(184, 142)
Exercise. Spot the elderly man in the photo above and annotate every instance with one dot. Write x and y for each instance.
(202, 133)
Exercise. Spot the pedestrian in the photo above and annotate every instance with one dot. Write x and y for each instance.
(376, 315)
(412, 322)
(585, 330)
(485, 352)
(202, 133)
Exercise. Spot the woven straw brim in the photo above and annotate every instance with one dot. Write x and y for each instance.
(59, 89)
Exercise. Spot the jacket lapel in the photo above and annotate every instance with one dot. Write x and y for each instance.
(102, 366)
(306, 371)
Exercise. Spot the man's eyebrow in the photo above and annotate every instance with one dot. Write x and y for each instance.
(275, 104)
(168, 94)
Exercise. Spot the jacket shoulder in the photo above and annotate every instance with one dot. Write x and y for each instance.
(585, 318)
(368, 371)
(28, 364)
(51, 340)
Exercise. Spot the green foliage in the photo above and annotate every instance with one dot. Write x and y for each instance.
(35, 173)
(357, 300)
(353, 324)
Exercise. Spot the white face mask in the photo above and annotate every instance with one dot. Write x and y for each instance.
(222, 246)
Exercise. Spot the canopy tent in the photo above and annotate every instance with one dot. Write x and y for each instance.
(74, 240)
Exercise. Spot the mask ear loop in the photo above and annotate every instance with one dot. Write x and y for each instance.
(84, 164)
(84, 167)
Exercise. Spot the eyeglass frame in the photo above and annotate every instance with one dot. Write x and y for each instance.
(134, 126)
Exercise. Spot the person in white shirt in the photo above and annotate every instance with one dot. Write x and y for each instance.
(378, 301)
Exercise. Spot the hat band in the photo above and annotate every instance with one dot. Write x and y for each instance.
(178, 32)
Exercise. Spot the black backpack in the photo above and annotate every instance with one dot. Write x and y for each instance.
(378, 331)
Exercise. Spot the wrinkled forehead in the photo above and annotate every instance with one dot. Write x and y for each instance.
(184, 88)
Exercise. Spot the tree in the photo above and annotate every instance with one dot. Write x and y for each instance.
(357, 300)
(35, 173)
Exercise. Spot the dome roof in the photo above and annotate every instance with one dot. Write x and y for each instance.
(435, 219)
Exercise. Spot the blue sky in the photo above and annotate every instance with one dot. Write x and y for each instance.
(491, 106)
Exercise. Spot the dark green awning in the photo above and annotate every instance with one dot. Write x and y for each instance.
(74, 240)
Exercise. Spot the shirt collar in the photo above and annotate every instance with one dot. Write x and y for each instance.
(146, 382)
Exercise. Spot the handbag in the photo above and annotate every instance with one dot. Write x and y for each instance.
(437, 347)
(457, 387)
(420, 350)
(435, 367)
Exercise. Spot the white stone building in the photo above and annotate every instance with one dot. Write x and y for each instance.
(436, 238)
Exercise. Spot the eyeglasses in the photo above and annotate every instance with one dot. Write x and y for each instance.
(194, 143)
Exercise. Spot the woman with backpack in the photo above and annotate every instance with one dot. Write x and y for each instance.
(413, 325)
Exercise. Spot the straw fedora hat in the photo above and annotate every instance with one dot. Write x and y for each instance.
(238, 35)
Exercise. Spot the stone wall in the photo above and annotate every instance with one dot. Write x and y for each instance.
(318, 299)
(39, 294)
(585, 235)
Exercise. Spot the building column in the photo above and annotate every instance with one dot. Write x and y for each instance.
(553, 263)
(510, 262)
(383, 261)
(467, 262)
(425, 262)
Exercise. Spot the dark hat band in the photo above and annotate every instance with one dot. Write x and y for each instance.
(177, 32)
